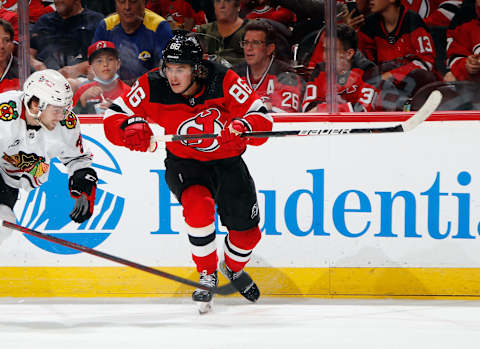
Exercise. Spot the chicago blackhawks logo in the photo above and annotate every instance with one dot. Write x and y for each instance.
(207, 121)
(70, 120)
(30, 163)
(8, 111)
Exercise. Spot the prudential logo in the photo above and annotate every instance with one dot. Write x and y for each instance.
(47, 208)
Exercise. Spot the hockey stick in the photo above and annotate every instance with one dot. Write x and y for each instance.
(223, 290)
(421, 115)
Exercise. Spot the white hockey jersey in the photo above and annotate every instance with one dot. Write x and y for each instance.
(25, 153)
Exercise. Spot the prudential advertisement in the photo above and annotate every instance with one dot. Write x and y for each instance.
(410, 200)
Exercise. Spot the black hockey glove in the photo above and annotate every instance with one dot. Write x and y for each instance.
(82, 185)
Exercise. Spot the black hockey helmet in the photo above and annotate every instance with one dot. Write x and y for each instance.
(183, 49)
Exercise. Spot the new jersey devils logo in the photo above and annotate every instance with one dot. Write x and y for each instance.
(207, 121)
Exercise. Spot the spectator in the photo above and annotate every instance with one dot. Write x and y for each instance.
(355, 74)
(273, 80)
(60, 40)
(309, 16)
(95, 97)
(262, 9)
(8, 63)
(356, 13)
(463, 49)
(223, 36)
(36, 8)
(178, 13)
(351, 16)
(12, 18)
(435, 13)
(397, 40)
(139, 35)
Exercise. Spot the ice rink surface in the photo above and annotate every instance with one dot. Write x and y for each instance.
(291, 323)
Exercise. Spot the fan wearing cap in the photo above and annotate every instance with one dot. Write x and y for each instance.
(96, 96)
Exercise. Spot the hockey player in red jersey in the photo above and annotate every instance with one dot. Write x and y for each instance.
(396, 39)
(353, 69)
(272, 79)
(463, 49)
(36, 125)
(188, 95)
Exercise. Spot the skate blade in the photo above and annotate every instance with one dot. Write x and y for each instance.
(205, 307)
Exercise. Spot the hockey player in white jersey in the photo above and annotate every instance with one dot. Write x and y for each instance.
(37, 125)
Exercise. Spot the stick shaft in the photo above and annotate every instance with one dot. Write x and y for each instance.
(224, 290)
(432, 102)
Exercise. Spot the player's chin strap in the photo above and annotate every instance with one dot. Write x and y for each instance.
(189, 85)
(36, 116)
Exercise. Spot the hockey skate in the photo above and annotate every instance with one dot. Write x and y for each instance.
(204, 298)
(242, 282)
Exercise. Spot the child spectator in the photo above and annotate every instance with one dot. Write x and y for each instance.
(139, 35)
(397, 40)
(96, 96)
(355, 74)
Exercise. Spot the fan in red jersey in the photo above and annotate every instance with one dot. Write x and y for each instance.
(272, 79)
(396, 39)
(262, 9)
(353, 70)
(179, 13)
(435, 13)
(463, 48)
(188, 95)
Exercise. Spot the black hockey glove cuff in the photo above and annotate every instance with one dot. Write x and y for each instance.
(82, 185)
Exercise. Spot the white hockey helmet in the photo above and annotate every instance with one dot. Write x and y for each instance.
(50, 87)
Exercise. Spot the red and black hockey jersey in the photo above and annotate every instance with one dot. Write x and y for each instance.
(176, 10)
(463, 41)
(355, 94)
(224, 96)
(276, 13)
(410, 38)
(280, 86)
(435, 13)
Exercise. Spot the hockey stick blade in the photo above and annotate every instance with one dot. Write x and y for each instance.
(222, 290)
(431, 104)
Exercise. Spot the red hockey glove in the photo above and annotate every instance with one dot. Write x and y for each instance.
(136, 133)
(83, 185)
(230, 135)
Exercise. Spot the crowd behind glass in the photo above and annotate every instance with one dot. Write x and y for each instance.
(389, 54)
